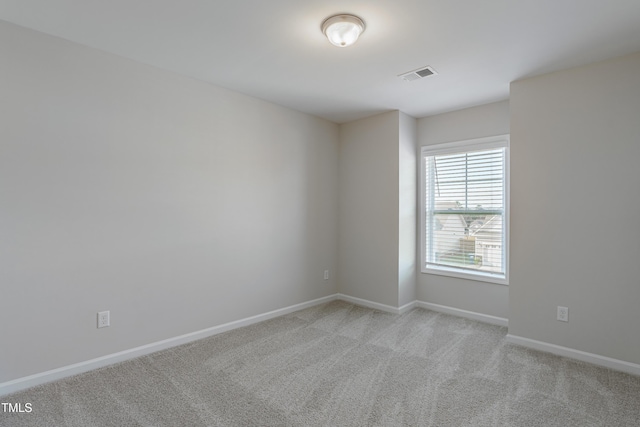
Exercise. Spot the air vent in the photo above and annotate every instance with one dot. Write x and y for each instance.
(418, 74)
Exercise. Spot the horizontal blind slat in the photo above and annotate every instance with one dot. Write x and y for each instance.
(465, 210)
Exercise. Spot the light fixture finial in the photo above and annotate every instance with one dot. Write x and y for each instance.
(343, 30)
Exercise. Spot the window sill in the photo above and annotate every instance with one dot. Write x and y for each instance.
(477, 276)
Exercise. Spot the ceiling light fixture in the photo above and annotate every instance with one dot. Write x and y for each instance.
(343, 30)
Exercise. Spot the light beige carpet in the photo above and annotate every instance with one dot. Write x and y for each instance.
(341, 365)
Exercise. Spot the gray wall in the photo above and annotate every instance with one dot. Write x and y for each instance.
(480, 297)
(172, 203)
(377, 209)
(575, 181)
(407, 208)
(368, 208)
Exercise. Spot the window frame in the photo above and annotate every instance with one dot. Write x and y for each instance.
(457, 147)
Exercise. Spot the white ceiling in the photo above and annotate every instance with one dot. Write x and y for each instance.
(274, 49)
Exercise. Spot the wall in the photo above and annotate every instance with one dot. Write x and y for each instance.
(368, 208)
(407, 209)
(575, 241)
(172, 203)
(476, 122)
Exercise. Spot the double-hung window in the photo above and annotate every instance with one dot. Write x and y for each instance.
(465, 200)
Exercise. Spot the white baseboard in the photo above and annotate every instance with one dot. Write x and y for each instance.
(596, 359)
(371, 304)
(78, 368)
(484, 318)
(407, 307)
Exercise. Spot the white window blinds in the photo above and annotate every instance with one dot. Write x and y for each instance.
(465, 215)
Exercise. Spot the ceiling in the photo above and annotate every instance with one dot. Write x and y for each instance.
(274, 49)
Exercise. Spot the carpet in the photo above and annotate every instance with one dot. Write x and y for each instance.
(338, 364)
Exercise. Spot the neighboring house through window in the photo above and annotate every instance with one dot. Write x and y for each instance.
(465, 218)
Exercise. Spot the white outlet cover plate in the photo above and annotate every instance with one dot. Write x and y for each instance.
(563, 314)
(103, 319)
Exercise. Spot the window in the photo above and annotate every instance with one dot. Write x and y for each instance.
(464, 195)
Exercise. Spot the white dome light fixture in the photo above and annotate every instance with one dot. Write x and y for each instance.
(343, 30)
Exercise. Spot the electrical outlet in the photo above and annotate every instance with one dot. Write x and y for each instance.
(326, 275)
(103, 319)
(563, 314)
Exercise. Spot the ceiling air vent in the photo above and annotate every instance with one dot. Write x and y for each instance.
(418, 74)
